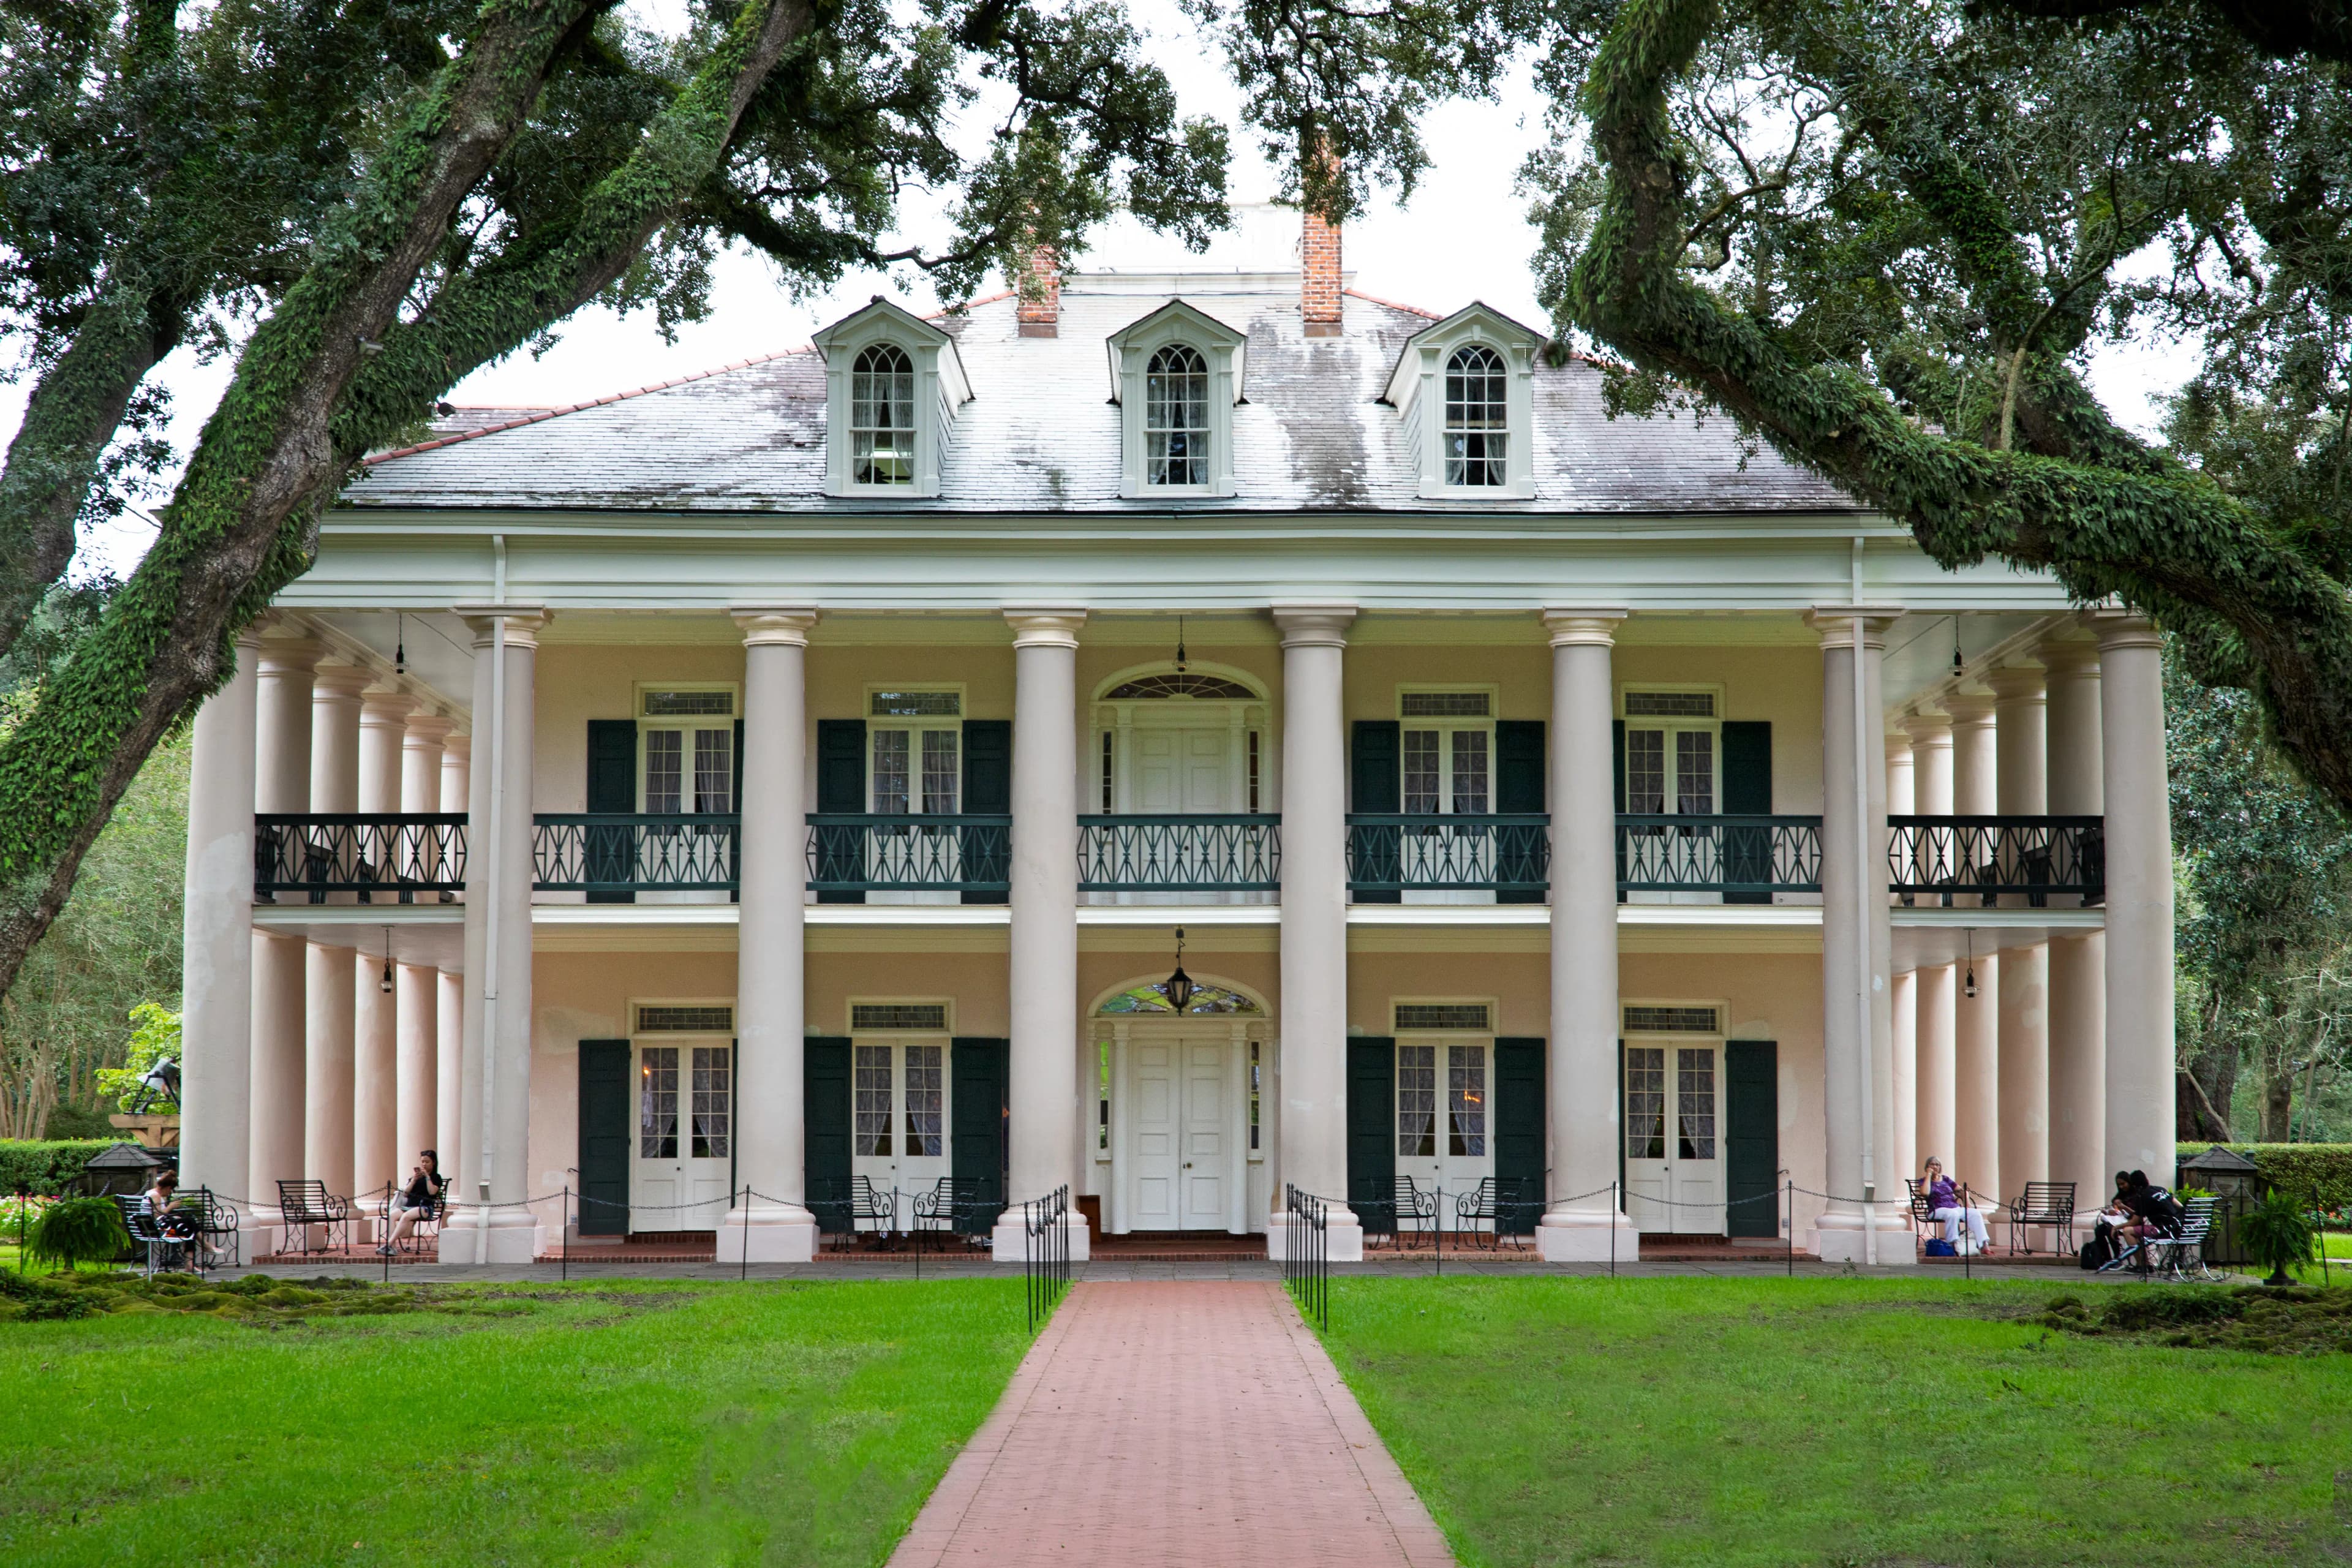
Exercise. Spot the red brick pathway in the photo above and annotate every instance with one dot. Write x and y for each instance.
(1176, 1423)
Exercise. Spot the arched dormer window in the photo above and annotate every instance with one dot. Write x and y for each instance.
(1477, 417)
(1176, 418)
(882, 416)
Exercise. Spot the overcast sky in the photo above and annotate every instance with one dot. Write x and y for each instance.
(1464, 236)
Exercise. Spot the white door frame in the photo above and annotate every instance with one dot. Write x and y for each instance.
(706, 1213)
(1233, 1034)
(1679, 1220)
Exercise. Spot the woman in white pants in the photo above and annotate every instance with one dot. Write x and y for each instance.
(1944, 1203)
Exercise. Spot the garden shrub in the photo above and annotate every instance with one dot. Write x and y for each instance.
(48, 1166)
(2292, 1321)
(2297, 1168)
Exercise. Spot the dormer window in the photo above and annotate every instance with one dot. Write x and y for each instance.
(882, 416)
(1176, 418)
(1477, 417)
(1176, 375)
(1463, 389)
(894, 383)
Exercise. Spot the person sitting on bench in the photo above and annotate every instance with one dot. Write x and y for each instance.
(2112, 1220)
(176, 1223)
(2154, 1214)
(1944, 1203)
(416, 1202)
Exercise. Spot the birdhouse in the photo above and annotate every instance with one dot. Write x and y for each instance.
(119, 1168)
(2237, 1182)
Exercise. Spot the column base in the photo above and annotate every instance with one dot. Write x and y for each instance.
(770, 1233)
(1841, 1238)
(1343, 1235)
(514, 1237)
(1008, 1241)
(1587, 1235)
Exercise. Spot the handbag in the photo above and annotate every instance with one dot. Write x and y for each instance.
(1938, 1247)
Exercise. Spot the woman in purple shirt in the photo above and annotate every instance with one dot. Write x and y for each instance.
(1944, 1203)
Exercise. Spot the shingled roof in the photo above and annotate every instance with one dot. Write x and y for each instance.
(1040, 434)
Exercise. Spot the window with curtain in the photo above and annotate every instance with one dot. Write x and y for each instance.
(1416, 1081)
(882, 418)
(714, 1071)
(1645, 1102)
(1466, 1100)
(1176, 418)
(1477, 417)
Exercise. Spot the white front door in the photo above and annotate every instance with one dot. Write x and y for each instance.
(686, 1131)
(1206, 1135)
(900, 1117)
(1155, 1133)
(1183, 1134)
(1183, 770)
(1443, 1136)
(1674, 1155)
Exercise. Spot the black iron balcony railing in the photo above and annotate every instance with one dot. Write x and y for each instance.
(1180, 853)
(366, 853)
(1742, 857)
(901, 852)
(1982, 857)
(614, 852)
(1410, 852)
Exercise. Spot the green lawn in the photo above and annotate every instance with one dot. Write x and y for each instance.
(625, 1423)
(1707, 1421)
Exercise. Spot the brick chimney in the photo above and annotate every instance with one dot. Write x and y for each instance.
(1039, 312)
(1318, 278)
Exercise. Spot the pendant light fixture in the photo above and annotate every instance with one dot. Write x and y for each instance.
(399, 644)
(1969, 985)
(384, 984)
(1179, 986)
(1180, 645)
(1959, 665)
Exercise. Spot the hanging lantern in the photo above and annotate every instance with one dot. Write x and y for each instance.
(1179, 986)
(399, 645)
(384, 984)
(1969, 985)
(1180, 645)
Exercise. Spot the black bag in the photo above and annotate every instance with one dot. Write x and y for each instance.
(2100, 1250)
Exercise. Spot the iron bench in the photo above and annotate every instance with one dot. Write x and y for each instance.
(307, 1203)
(148, 1237)
(2047, 1204)
(954, 1204)
(1501, 1205)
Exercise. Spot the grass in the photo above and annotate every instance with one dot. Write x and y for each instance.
(630, 1422)
(1731, 1422)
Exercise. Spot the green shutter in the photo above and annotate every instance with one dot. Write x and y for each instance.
(1617, 763)
(841, 789)
(1519, 1134)
(1519, 787)
(978, 1082)
(1752, 1140)
(1372, 1133)
(1621, 1112)
(611, 787)
(824, 1127)
(735, 849)
(987, 787)
(604, 1136)
(1748, 792)
(1375, 782)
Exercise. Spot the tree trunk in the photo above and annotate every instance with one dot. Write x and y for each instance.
(2278, 1102)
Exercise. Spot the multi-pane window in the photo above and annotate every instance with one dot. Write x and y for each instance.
(664, 769)
(1671, 754)
(713, 1084)
(657, 1104)
(1417, 1101)
(1694, 773)
(1257, 1088)
(926, 1087)
(891, 783)
(1176, 418)
(941, 751)
(899, 787)
(1695, 1102)
(1645, 1102)
(1466, 1100)
(882, 418)
(671, 788)
(898, 1100)
(1477, 417)
(1446, 771)
(870, 1100)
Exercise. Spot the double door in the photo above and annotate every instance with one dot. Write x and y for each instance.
(1673, 1142)
(898, 1117)
(1444, 1117)
(1185, 1160)
(682, 1175)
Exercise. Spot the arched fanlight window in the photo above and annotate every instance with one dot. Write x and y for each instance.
(1176, 418)
(1477, 417)
(882, 418)
(1206, 1001)
(1209, 687)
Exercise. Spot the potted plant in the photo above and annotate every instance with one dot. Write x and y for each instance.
(77, 1229)
(2277, 1233)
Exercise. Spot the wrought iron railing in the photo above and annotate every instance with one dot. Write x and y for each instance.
(971, 853)
(1721, 854)
(366, 853)
(612, 852)
(1397, 852)
(1982, 857)
(1239, 853)
(1306, 1253)
(1046, 1251)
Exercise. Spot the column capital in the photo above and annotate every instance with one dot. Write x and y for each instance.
(1968, 708)
(2069, 656)
(1834, 624)
(773, 625)
(428, 732)
(290, 656)
(2124, 628)
(460, 746)
(1581, 626)
(523, 623)
(339, 683)
(1044, 625)
(383, 708)
(1314, 625)
(1929, 728)
(2018, 683)
(1899, 746)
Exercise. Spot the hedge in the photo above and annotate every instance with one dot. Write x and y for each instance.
(45, 1167)
(2297, 1167)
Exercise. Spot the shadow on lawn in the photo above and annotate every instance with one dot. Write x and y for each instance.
(266, 1302)
(2286, 1320)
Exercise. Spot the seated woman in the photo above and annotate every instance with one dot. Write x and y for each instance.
(2112, 1219)
(2154, 1211)
(1944, 1204)
(176, 1224)
(419, 1200)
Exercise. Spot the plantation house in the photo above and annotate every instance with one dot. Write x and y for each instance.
(800, 772)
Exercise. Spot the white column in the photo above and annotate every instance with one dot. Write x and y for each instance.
(2024, 1027)
(1582, 1221)
(282, 785)
(1938, 984)
(487, 1166)
(1902, 801)
(217, 937)
(377, 1156)
(1860, 1223)
(419, 1003)
(449, 1019)
(1976, 746)
(2139, 1066)
(1043, 972)
(771, 1019)
(1314, 1047)
(328, 1042)
(2078, 1004)
(1975, 1154)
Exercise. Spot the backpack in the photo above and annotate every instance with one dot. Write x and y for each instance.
(2098, 1252)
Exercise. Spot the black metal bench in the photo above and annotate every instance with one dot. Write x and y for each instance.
(1416, 1208)
(2047, 1204)
(954, 1204)
(307, 1203)
(157, 1247)
(871, 1204)
(1501, 1205)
